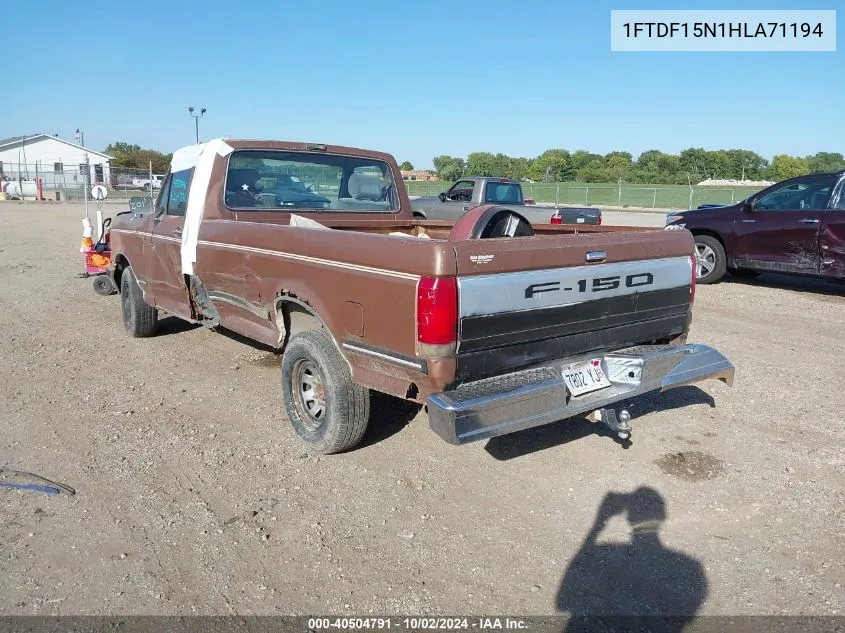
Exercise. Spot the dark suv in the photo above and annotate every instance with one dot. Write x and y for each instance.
(795, 226)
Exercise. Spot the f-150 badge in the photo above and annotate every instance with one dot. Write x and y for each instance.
(598, 284)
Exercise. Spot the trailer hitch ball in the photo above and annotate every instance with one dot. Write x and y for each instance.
(624, 424)
(618, 423)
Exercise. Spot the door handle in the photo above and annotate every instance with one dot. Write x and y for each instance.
(177, 232)
(809, 221)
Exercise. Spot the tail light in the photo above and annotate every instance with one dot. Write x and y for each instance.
(599, 222)
(694, 261)
(437, 315)
(556, 219)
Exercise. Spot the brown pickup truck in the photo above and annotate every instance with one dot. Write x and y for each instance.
(493, 324)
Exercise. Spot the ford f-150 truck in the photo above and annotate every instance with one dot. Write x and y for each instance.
(471, 192)
(494, 324)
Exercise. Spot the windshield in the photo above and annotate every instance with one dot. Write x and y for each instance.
(284, 180)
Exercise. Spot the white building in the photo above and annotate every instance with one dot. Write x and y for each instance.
(59, 163)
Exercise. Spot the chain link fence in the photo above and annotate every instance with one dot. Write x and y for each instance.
(70, 182)
(65, 182)
(605, 195)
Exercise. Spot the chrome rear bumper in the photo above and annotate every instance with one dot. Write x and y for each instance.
(537, 396)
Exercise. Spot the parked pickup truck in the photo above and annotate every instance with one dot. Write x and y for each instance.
(145, 184)
(133, 182)
(796, 226)
(472, 192)
(494, 324)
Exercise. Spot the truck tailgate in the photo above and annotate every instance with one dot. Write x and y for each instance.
(525, 301)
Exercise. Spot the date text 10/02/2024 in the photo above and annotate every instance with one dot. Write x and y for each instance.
(416, 624)
(722, 29)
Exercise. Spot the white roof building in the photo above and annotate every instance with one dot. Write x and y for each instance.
(51, 158)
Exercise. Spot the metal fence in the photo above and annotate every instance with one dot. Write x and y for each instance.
(70, 182)
(60, 181)
(621, 195)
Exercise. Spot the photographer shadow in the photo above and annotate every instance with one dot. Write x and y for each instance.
(614, 586)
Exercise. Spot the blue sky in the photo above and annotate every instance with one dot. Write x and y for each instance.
(413, 79)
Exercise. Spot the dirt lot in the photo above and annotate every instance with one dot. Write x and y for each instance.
(194, 497)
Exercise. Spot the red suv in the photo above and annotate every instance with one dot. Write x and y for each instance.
(796, 226)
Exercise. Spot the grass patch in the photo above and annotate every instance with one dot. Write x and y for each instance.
(610, 194)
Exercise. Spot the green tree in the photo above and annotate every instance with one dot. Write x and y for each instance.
(483, 164)
(581, 158)
(448, 167)
(517, 168)
(553, 165)
(785, 166)
(650, 160)
(743, 163)
(719, 164)
(618, 164)
(823, 162)
(406, 166)
(160, 162)
(618, 160)
(693, 161)
(594, 171)
(122, 153)
(132, 156)
(653, 166)
(656, 167)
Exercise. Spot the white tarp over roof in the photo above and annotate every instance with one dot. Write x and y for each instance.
(201, 158)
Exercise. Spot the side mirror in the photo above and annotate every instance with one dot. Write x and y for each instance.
(747, 206)
(442, 196)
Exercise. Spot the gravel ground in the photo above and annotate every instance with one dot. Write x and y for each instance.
(194, 497)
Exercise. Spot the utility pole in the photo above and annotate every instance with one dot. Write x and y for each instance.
(196, 120)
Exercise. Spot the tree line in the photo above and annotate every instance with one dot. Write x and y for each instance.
(131, 156)
(690, 166)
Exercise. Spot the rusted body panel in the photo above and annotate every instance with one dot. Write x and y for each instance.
(358, 280)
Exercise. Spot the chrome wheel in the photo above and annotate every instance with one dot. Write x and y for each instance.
(309, 393)
(705, 260)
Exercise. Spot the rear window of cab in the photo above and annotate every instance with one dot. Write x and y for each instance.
(279, 180)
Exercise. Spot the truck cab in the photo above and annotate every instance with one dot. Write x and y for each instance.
(474, 191)
(468, 193)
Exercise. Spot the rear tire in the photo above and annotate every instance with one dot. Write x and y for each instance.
(712, 260)
(328, 411)
(139, 319)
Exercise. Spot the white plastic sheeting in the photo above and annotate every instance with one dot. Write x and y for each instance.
(201, 158)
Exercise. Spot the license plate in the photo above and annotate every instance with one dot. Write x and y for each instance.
(585, 377)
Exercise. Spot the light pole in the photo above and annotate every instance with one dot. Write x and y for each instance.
(79, 137)
(196, 120)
